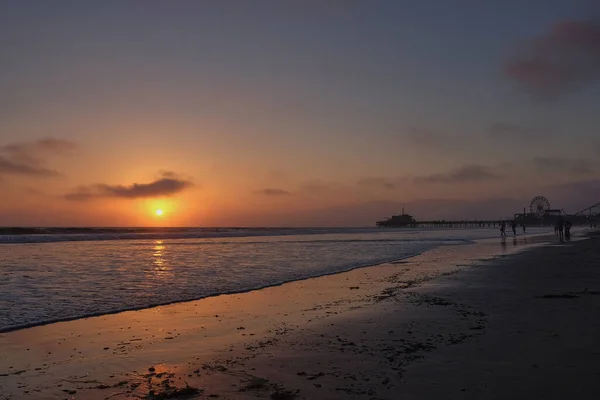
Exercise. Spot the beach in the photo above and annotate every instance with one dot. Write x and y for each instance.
(488, 320)
(299, 200)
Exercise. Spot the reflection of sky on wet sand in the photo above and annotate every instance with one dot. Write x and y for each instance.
(516, 241)
(111, 275)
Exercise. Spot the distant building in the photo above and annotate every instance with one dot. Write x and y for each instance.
(398, 221)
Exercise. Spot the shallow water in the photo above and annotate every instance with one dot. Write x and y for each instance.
(63, 279)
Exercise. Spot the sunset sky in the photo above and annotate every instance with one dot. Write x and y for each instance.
(295, 112)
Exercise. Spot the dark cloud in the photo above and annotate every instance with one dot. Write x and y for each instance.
(161, 187)
(23, 168)
(426, 138)
(377, 182)
(28, 158)
(556, 164)
(272, 192)
(503, 130)
(170, 175)
(563, 59)
(466, 173)
(54, 145)
(39, 147)
(318, 187)
(550, 162)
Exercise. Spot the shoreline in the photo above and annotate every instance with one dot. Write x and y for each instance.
(143, 347)
(536, 238)
(151, 306)
(540, 337)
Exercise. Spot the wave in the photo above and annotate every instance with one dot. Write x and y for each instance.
(54, 235)
(49, 235)
(10, 328)
(47, 284)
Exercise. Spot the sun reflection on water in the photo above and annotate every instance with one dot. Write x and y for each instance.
(161, 268)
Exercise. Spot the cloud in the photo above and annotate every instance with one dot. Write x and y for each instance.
(272, 192)
(503, 130)
(562, 60)
(161, 187)
(18, 168)
(426, 138)
(465, 173)
(52, 145)
(318, 187)
(377, 182)
(28, 158)
(162, 174)
(554, 164)
(38, 148)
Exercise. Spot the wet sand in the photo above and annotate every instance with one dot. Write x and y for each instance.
(441, 324)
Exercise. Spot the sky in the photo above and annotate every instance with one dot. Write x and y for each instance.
(295, 112)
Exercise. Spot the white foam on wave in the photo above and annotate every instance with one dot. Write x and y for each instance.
(48, 282)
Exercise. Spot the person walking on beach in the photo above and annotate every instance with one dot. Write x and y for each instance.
(503, 229)
(514, 228)
(523, 228)
(568, 226)
(561, 229)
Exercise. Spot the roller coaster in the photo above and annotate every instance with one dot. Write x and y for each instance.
(541, 213)
(590, 211)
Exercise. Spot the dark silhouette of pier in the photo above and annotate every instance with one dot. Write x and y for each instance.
(406, 220)
(459, 224)
(540, 214)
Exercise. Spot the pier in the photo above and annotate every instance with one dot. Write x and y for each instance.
(540, 214)
(458, 224)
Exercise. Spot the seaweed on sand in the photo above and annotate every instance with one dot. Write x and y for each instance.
(174, 393)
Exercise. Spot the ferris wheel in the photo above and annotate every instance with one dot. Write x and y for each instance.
(539, 205)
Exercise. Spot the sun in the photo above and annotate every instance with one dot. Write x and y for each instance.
(159, 212)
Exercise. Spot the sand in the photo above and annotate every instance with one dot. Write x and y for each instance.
(444, 324)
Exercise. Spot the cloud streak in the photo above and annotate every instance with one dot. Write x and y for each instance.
(42, 145)
(503, 130)
(161, 187)
(556, 164)
(377, 182)
(465, 173)
(426, 138)
(562, 60)
(272, 192)
(18, 168)
(27, 158)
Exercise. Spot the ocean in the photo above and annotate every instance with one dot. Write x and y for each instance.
(61, 274)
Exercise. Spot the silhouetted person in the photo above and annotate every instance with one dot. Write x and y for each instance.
(513, 225)
(568, 226)
(561, 229)
(503, 229)
(523, 228)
